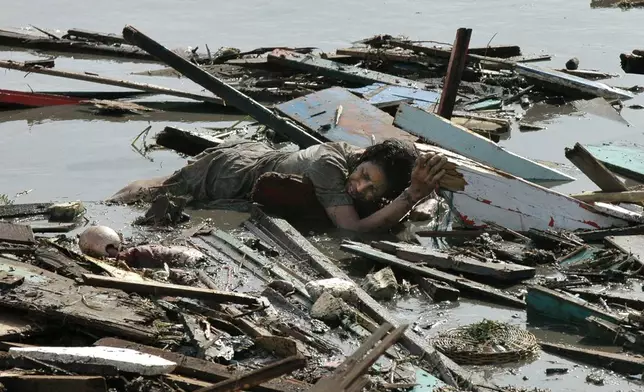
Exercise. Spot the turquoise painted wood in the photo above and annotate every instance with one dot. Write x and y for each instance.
(627, 161)
(585, 255)
(460, 140)
(566, 308)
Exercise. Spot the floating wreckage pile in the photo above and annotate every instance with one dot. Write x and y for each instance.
(262, 308)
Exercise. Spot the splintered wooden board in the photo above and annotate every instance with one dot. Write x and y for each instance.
(58, 299)
(16, 234)
(624, 160)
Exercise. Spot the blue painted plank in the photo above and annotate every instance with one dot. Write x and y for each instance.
(340, 71)
(358, 121)
(624, 160)
(572, 82)
(563, 307)
(426, 382)
(381, 95)
(455, 138)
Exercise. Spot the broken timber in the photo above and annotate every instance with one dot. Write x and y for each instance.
(340, 71)
(230, 95)
(611, 197)
(630, 244)
(42, 383)
(283, 234)
(258, 376)
(565, 307)
(56, 298)
(593, 169)
(620, 363)
(28, 41)
(108, 39)
(598, 235)
(424, 256)
(156, 288)
(444, 133)
(16, 234)
(623, 160)
(20, 210)
(203, 370)
(455, 69)
(463, 284)
(111, 82)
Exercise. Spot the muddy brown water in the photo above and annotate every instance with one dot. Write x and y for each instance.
(51, 154)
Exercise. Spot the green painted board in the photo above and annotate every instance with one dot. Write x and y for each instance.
(426, 382)
(627, 161)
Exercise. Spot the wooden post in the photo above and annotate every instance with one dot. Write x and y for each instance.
(229, 94)
(594, 170)
(454, 72)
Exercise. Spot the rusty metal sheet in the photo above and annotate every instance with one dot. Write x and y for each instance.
(358, 121)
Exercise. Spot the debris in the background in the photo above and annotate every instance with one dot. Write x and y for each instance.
(593, 169)
(553, 371)
(337, 287)
(632, 63)
(110, 82)
(155, 256)
(329, 308)
(381, 285)
(487, 342)
(66, 212)
(524, 126)
(20, 99)
(124, 359)
(572, 64)
(99, 241)
(595, 379)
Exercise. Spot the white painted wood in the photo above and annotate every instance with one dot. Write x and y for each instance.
(453, 137)
(519, 204)
(123, 359)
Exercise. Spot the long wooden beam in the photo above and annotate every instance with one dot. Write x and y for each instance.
(230, 95)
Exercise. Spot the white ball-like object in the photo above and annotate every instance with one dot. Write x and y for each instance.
(96, 241)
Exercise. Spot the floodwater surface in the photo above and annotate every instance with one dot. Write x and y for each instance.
(51, 154)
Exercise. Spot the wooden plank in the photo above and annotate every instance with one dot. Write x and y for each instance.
(95, 36)
(59, 300)
(20, 210)
(47, 383)
(229, 94)
(564, 307)
(611, 197)
(201, 369)
(389, 55)
(16, 234)
(623, 160)
(467, 286)
(156, 288)
(59, 263)
(598, 235)
(574, 83)
(439, 291)
(111, 82)
(502, 51)
(450, 136)
(340, 71)
(593, 169)
(30, 99)
(628, 299)
(283, 234)
(631, 244)
(620, 363)
(507, 272)
(383, 95)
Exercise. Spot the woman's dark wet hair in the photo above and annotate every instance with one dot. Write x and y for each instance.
(397, 159)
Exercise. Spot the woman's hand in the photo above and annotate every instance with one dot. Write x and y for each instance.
(426, 175)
